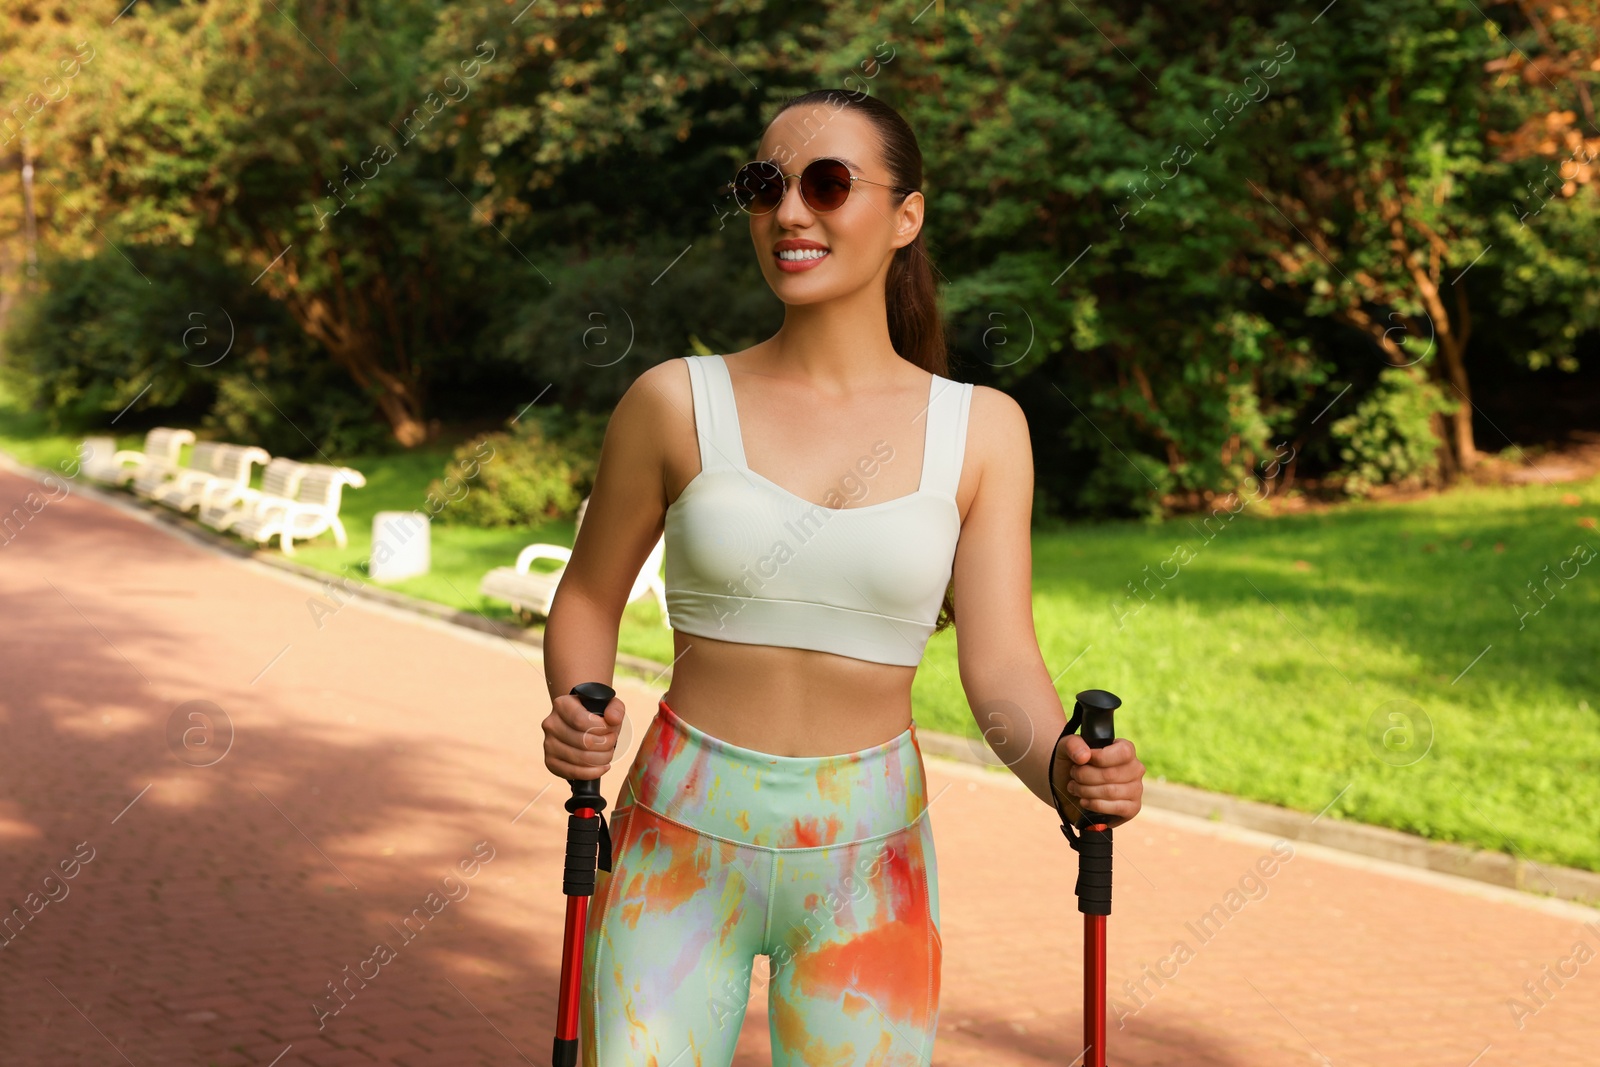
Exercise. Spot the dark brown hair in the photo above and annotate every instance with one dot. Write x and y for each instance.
(916, 328)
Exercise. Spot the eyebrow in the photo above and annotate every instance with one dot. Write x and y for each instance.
(852, 164)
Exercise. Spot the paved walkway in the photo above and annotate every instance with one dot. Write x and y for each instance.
(210, 907)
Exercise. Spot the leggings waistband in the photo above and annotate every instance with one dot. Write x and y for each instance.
(770, 801)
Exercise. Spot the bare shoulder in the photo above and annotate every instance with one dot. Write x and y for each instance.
(665, 383)
(999, 451)
(997, 429)
(655, 403)
(654, 425)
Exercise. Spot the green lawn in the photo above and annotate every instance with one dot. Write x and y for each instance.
(1255, 674)
(1269, 663)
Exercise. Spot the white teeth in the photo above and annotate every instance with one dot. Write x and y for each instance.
(803, 253)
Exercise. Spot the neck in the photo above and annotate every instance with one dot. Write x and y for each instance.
(840, 345)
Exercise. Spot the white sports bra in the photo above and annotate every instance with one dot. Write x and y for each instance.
(749, 561)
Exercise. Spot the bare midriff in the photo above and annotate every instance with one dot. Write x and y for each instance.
(787, 701)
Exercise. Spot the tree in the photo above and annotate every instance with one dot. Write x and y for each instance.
(1554, 162)
(286, 132)
(1386, 189)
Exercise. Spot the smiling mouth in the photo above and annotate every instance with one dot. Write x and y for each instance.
(798, 255)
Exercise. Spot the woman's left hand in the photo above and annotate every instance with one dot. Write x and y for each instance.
(1108, 781)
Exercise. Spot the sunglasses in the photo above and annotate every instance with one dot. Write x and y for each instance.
(825, 185)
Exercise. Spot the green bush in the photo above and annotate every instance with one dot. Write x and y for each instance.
(97, 337)
(296, 406)
(1389, 440)
(539, 469)
(1124, 482)
(181, 340)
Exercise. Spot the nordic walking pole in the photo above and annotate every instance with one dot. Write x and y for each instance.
(587, 836)
(1093, 845)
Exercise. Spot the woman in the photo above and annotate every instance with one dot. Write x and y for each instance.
(777, 805)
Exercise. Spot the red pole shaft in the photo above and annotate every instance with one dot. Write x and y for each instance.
(1094, 990)
(572, 958)
(572, 967)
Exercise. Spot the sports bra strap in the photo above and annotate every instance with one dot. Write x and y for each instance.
(716, 419)
(947, 436)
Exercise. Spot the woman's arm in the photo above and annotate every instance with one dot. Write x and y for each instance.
(623, 521)
(1008, 687)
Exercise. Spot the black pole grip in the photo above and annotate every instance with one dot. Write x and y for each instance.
(1095, 706)
(588, 838)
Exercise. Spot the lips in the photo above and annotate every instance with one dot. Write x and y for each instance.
(795, 254)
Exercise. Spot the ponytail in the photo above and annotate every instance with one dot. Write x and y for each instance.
(916, 329)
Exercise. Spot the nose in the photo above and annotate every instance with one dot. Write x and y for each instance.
(792, 212)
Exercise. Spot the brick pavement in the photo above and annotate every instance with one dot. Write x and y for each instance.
(211, 908)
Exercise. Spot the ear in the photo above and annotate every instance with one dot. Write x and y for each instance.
(908, 220)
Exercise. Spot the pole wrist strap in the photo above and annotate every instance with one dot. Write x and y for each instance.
(1067, 830)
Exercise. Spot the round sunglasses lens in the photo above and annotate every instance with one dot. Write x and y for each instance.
(758, 187)
(825, 184)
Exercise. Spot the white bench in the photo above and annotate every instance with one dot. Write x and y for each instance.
(218, 471)
(313, 510)
(95, 458)
(161, 448)
(279, 481)
(156, 484)
(530, 593)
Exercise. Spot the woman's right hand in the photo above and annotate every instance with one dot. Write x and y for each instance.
(577, 743)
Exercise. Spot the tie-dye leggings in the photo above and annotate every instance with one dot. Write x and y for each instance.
(823, 864)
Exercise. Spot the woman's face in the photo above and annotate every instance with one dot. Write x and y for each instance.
(857, 240)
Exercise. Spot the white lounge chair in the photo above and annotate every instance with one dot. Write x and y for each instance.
(94, 458)
(313, 511)
(161, 448)
(530, 593)
(149, 479)
(227, 468)
(154, 483)
(279, 481)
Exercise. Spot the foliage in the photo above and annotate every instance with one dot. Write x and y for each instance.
(160, 334)
(1389, 439)
(99, 338)
(1176, 233)
(609, 314)
(539, 469)
(218, 122)
(1549, 300)
(307, 411)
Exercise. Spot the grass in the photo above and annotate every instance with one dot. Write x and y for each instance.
(1373, 660)
(1273, 663)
